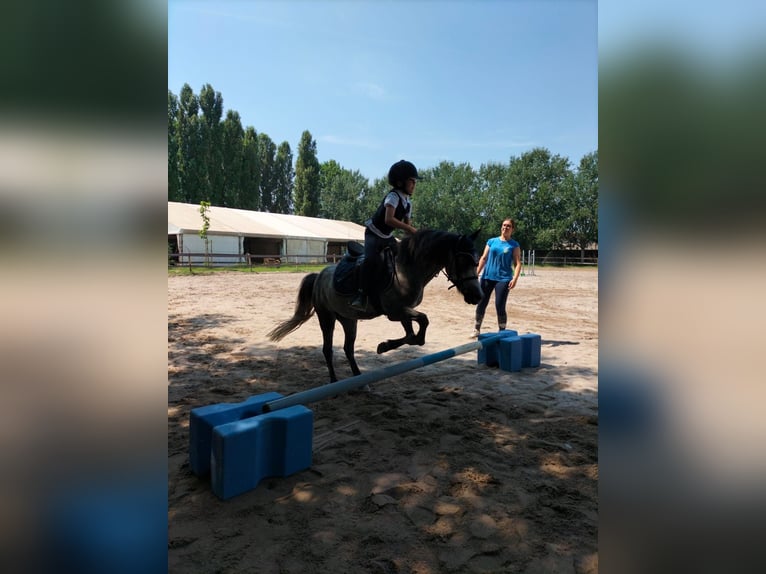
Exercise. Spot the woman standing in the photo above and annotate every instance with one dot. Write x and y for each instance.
(499, 269)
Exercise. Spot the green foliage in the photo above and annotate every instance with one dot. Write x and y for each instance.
(267, 151)
(340, 193)
(174, 189)
(581, 220)
(211, 105)
(532, 191)
(232, 151)
(307, 177)
(283, 179)
(250, 174)
(190, 165)
(446, 198)
(204, 208)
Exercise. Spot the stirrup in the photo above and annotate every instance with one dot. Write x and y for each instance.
(359, 302)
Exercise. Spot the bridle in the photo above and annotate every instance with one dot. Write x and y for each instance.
(460, 280)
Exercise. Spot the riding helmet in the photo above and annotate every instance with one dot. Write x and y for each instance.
(401, 171)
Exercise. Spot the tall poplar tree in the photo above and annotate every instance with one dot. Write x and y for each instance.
(307, 177)
(250, 184)
(211, 104)
(267, 155)
(191, 164)
(174, 191)
(232, 146)
(283, 179)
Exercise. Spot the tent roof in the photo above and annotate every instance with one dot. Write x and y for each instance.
(186, 218)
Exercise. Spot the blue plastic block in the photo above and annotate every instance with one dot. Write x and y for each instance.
(203, 420)
(530, 354)
(509, 353)
(488, 355)
(272, 444)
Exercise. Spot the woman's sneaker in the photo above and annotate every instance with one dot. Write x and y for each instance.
(475, 334)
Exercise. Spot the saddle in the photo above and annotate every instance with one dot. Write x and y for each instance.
(347, 274)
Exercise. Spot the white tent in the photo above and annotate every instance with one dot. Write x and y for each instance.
(235, 234)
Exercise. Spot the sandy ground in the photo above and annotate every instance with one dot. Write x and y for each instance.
(455, 467)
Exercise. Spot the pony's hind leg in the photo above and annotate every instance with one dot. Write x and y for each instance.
(422, 321)
(349, 330)
(327, 323)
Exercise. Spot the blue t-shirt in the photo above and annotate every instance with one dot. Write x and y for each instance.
(499, 265)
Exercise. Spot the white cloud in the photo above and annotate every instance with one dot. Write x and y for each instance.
(371, 90)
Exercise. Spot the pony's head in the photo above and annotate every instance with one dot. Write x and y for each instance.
(461, 268)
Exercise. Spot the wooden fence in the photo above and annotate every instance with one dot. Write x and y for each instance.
(247, 259)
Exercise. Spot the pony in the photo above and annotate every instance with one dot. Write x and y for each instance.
(418, 259)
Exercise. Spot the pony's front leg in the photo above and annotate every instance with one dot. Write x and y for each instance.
(410, 338)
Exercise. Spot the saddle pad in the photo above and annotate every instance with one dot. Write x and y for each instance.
(344, 278)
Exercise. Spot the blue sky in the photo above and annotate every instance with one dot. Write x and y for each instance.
(378, 81)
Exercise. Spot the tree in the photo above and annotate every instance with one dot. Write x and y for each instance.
(174, 185)
(492, 201)
(340, 191)
(232, 148)
(283, 179)
(250, 185)
(211, 104)
(267, 155)
(191, 166)
(447, 199)
(204, 208)
(533, 194)
(307, 177)
(581, 223)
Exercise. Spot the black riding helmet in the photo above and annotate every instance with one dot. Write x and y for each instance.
(401, 171)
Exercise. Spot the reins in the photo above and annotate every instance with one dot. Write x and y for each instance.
(458, 282)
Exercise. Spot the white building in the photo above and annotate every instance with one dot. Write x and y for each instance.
(235, 234)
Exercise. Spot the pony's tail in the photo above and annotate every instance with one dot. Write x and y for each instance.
(304, 309)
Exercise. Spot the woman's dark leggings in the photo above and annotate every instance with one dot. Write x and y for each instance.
(501, 297)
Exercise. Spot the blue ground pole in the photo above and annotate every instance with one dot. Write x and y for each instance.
(338, 387)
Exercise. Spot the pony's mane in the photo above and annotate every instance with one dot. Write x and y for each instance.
(423, 245)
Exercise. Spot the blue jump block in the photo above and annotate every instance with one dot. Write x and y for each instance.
(488, 355)
(272, 444)
(509, 352)
(530, 355)
(203, 420)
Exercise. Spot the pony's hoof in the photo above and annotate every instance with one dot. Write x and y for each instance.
(382, 348)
